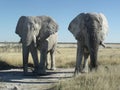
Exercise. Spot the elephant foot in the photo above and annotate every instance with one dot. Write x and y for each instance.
(47, 67)
(77, 72)
(25, 71)
(35, 71)
(52, 68)
(93, 68)
(85, 70)
(41, 72)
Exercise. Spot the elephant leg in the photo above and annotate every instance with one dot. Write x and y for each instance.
(85, 64)
(93, 59)
(78, 58)
(34, 54)
(93, 45)
(52, 55)
(43, 58)
(25, 59)
(47, 62)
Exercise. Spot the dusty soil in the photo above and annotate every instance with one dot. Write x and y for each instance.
(13, 79)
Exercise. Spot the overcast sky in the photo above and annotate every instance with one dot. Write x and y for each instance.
(63, 11)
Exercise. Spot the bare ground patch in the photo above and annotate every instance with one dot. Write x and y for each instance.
(13, 79)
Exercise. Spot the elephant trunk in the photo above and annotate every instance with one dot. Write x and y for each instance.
(93, 44)
(28, 38)
(93, 58)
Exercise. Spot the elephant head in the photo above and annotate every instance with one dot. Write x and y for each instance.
(90, 30)
(32, 29)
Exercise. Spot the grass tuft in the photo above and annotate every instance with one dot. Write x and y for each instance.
(101, 80)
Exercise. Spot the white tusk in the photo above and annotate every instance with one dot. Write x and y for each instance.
(34, 40)
(102, 44)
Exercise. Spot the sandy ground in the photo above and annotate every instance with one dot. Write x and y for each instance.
(13, 79)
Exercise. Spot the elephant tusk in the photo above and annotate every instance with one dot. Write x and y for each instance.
(102, 44)
(34, 40)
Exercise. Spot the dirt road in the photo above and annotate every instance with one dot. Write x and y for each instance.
(13, 79)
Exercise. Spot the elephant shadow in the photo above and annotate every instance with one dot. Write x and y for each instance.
(16, 76)
(6, 66)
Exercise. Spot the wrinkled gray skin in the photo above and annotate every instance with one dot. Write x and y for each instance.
(45, 47)
(33, 30)
(90, 30)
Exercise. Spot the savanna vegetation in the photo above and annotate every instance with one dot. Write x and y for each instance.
(107, 76)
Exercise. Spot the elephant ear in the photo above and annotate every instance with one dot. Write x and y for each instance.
(52, 26)
(77, 25)
(49, 27)
(104, 25)
(19, 26)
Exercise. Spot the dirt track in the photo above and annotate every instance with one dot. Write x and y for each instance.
(14, 80)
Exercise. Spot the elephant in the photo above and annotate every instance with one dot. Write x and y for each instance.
(34, 30)
(90, 30)
(48, 46)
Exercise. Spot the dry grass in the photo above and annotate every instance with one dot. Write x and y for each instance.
(66, 57)
(13, 59)
(106, 78)
(103, 79)
(106, 56)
